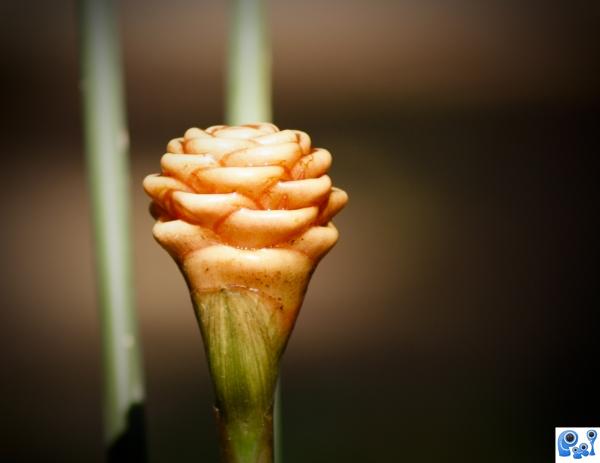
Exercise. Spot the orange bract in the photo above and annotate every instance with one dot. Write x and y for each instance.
(249, 187)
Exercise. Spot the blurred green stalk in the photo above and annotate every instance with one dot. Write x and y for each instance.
(106, 147)
(249, 96)
(249, 65)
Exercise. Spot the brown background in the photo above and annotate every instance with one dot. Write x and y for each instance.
(455, 318)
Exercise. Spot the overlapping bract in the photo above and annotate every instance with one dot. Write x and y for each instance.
(248, 187)
(245, 212)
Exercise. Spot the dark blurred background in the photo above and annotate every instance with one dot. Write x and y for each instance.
(456, 318)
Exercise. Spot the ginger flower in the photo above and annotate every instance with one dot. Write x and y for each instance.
(245, 212)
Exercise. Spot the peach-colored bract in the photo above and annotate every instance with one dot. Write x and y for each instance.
(246, 206)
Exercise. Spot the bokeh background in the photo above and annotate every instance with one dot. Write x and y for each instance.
(455, 319)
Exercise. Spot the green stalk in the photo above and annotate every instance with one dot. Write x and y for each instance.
(249, 97)
(249, 66)
(106, 147)
(244, 345)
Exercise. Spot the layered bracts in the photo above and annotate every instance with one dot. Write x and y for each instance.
(245, 212)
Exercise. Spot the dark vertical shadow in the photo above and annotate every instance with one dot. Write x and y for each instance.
(130, 446)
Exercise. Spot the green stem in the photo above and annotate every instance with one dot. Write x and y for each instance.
(244, 342)
(106, 146)
(249, 67)
(249, 96)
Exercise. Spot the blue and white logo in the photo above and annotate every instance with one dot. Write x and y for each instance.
(576, 443)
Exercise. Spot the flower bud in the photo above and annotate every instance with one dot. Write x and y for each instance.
(246, 214)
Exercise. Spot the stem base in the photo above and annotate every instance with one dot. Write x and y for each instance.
(244, 336)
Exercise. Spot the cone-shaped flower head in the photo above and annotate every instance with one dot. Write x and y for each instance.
(245, 212)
